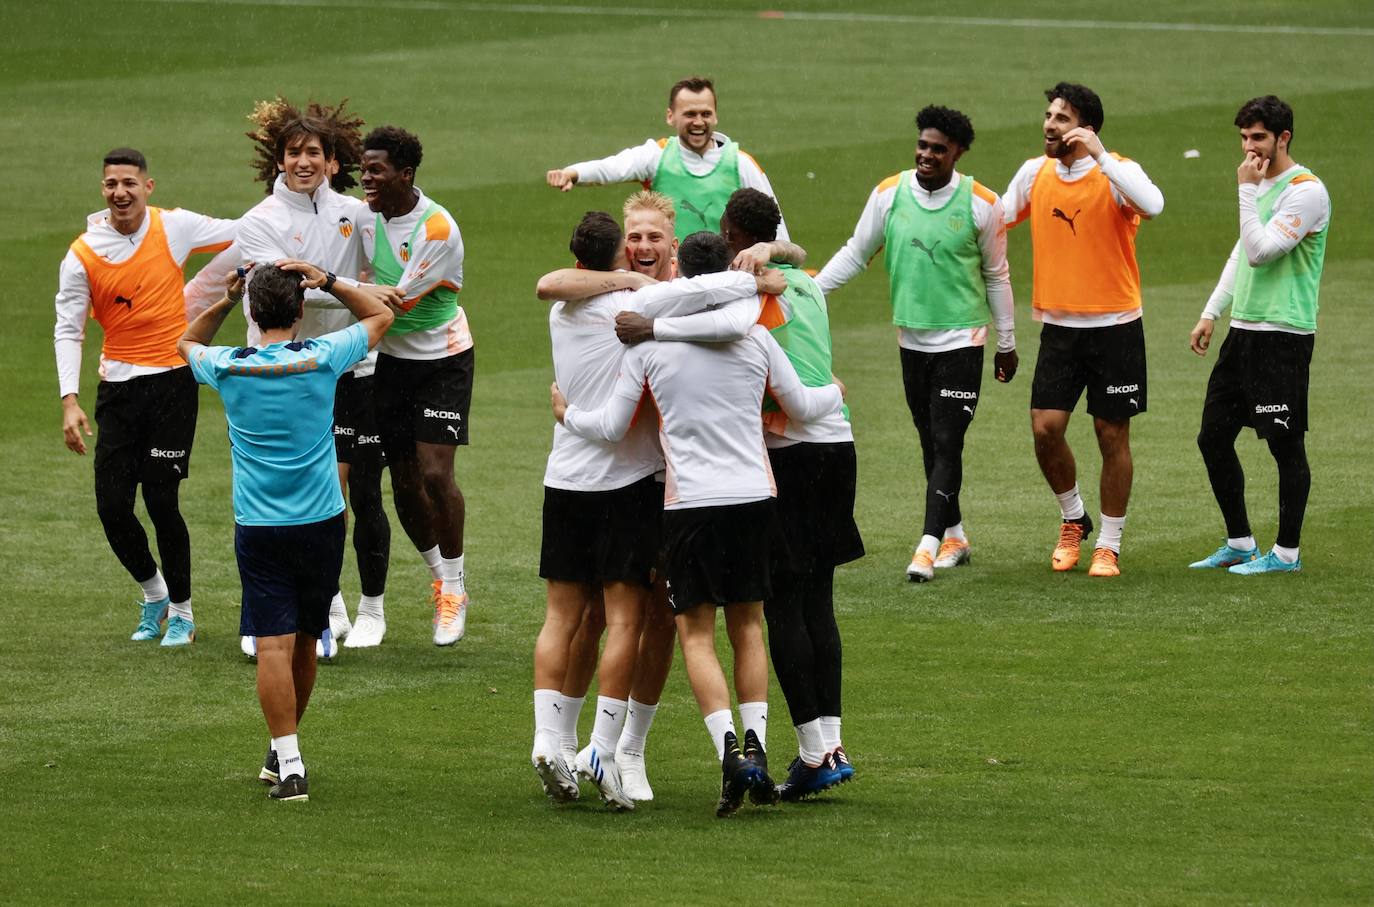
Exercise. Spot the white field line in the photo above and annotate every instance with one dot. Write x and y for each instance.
(553, 9)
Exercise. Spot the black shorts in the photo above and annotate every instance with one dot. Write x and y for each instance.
(815, 505)
(357, 441)
(602, 536)
(942, 387)
(147, 426)
(423, 400)
(1108, 361)
(289, 576)
(1260, 380)
(719, 555)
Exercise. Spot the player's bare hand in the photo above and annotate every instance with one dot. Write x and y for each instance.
(844, 391)
(562, 180)
(771, 280)
(632, 328)
(390, 297)
(235, 281)
(1085, 137)
(1004, 366)
(753, 259)
(312, 278)
(1252, 169)
(74, 424)
(1201, 338)
(558, 402)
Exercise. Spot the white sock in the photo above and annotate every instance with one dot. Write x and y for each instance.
(1245, 544)
(956, 532)
(1287, 555)
(830, 731)
(183, 610)
(753, 716)
(155, 589)
(717, 723)
(371, 605)
(638, 720)
(451, 573)
(546, 717)
(1109, 532)
(1070, 504)
(289, 760)
(432, 559)
(811, 742)
(567, 721)
(610, 721)
(929, 544)
(337, 608)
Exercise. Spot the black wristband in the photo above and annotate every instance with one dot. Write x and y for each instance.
(329, 279)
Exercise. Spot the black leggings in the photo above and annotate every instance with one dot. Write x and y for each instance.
(371, 529)
(1217, 442)
(805, 642)
(114, 502)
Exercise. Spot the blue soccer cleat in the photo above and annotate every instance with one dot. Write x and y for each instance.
(1225, 556)
(150, 621)
(180, 632)
(807, 780)
(1270, 563)
(843, 767)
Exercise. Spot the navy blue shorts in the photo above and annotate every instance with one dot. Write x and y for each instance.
(289, 576)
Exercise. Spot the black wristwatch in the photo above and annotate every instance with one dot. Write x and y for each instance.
(329, 278)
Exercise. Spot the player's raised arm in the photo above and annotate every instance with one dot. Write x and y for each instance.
(573, 284)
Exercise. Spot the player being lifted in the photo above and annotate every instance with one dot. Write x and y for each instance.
(1271, 282)
(424, 364)
(698, 168)
(602, 504)
(946, 256)
(125, 270)
(719, 520)
(307, 159)
(1084, 205)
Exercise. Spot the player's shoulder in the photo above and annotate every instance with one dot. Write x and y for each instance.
(889, 183)
(440, 225)
(266, 211)
(981, 192)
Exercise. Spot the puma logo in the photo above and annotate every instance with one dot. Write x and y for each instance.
(558, 708)
(125, 301)
(1134, 402)
(298, 239)
(609, 713)
(454, 430)
(969, 410)
(687, 203)
(929, 250)
(1068, 220)
(947, 495)
(1283, 422)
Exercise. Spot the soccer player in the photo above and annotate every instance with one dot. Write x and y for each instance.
(602, 507)
(288, 506)
(946, 258)
(424, 364)
(1271, 282)
(698, 168)
(307, 159)
(125, 270)
(719, 520)
(651, 249)
(1085, 205)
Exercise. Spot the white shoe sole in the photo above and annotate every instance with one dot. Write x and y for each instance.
(559, 785)
(607, 780)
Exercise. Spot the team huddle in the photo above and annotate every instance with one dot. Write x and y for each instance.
(702, 454)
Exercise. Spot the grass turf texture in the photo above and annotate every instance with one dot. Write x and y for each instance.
(1020, 736)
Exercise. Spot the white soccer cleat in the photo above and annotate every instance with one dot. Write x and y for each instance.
(248, 645)
(339, 624)
(367, 632)
(560, 785)
(634, 780)
(326, 646)
(450, 618)
(605, 774)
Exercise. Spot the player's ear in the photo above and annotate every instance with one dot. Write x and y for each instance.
(148, 185)
(668, 117)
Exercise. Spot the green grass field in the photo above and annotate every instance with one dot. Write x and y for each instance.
(1020, 736)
